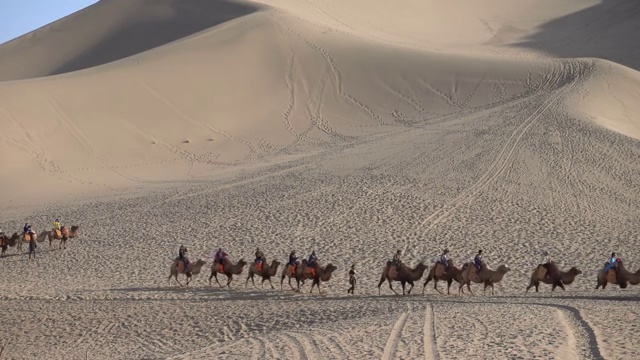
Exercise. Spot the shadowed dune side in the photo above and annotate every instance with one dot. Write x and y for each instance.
(110, 31)
(609, 30)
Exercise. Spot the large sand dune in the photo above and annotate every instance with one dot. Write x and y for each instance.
(355, 128)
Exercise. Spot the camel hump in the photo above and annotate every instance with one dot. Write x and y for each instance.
(540, 272)
(439, 269)
(611, 277)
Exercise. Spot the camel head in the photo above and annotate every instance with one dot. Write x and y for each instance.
(275, 263)
(75, 227)
(242, 262)
(330, 268)
(200, 262)
(503, 269)
(574, 271)
(421, 266)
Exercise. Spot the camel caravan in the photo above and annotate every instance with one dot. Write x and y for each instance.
(28, 236)
(444, 269)
(300, 271)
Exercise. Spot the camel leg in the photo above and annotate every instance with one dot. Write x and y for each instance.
(291, 286)
(531, 284)
(270, 283)
(411, 288)
(403, 286)
(435, 286)
(380, 283)
(469, 288)
(390, 287)
(425, 284)
(188, 280)
(230, 278)
(215, 275)
(449, 282)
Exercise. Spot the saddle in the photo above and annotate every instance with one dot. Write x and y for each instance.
(440, 269)
(312, 271)
(259, 265)
(27, 237)
(58, 233)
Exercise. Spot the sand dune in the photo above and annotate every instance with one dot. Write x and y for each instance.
(353, 128)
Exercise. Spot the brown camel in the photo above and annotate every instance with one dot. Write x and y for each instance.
(403, 274)
(618, 276)
(553, 276)
(487, 276)
(177, 267)
(266, 273)
(291, 271)
(322, 273)
(6, 241)
(437, 273)
(62, 235)
(228, 269)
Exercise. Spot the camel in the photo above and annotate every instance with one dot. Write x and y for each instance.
(487, 276)
(553, 276)
(291, 271)
(322, 273)
(228, 269)
(437, 273)
(178, 268)
(266, 273)
(6, 241)
(403, 274)
(63, 237)
(620, 277)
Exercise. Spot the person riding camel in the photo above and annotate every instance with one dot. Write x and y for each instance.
(259, 258)
(293, 260)
(396, 261)
(444, 259)
(312, 262)
(220, 258)
(56, 224)
(612, 263)
(182, 255)
(26, 228)
(477, 261)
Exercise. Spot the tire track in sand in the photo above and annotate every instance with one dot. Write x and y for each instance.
(430, 350)
(499, 164)
(394, 337)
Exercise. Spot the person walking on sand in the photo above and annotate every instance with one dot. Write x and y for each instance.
(352, 279)
(32, 248)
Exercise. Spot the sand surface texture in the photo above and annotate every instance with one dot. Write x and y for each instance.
(355, 128)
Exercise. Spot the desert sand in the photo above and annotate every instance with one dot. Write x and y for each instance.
(355, 128)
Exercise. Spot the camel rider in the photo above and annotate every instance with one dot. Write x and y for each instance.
(313, 260)
(259, 261)
(220, 257)
(26, 228)
(396, 259)
(182, 255)
(444, 259)
(544, 257)
(612, 262)
(293, 259)
(259, 256)
(477, 261)
(56, 224)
